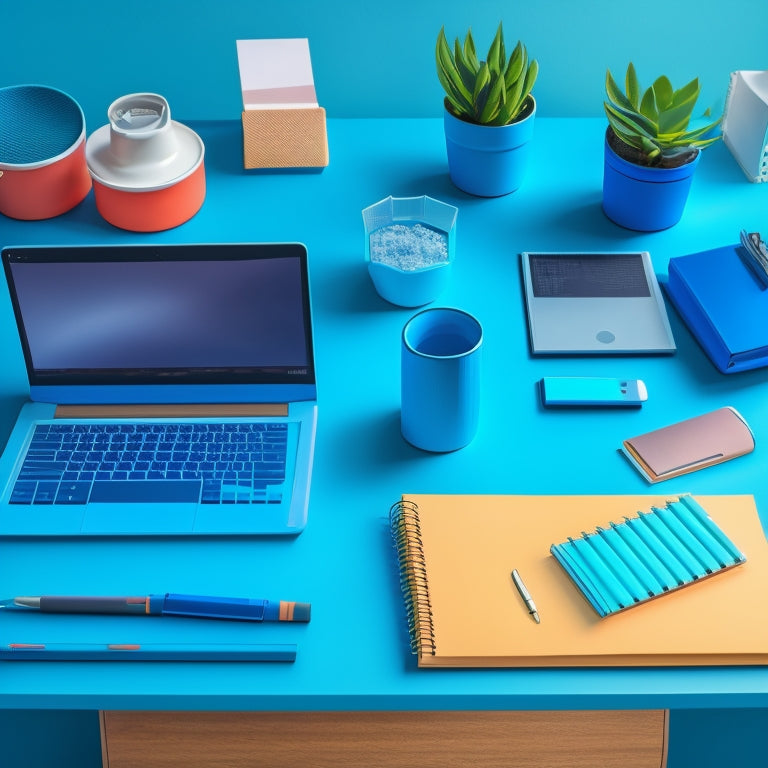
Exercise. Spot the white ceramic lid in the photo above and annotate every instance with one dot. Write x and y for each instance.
(142, 149)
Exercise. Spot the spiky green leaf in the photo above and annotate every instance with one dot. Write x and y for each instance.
(515, 65)
(676, 120)
(690, 91)
(656, 121)
(615, 94)
(530, 79)
(494, 101)
(480, 92)
(450, 78)
(644, 124)
(629, 123)
(494, 58)
(467, 71)
(470, 53)
(492, 91)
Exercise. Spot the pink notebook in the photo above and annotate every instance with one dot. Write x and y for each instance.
(689, 445)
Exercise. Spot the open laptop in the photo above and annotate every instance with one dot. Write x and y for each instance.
(172, 390)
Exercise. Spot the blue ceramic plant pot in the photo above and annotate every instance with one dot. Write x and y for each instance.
(488, 161)
(641, 198)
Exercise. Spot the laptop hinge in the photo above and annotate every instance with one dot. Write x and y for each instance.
(171, 410)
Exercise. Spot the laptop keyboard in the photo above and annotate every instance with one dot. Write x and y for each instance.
(213, 463)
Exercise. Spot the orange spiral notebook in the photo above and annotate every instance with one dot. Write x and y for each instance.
(456, 554)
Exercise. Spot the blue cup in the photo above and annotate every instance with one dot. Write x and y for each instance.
(440, 398)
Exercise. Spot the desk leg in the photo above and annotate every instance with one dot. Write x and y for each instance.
(716, 738)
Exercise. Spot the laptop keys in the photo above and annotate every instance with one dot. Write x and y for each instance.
(227, 463)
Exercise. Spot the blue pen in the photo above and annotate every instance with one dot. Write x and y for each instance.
(599, 574)
(193, 606)
(720, 541)
(626, 565)
(643, 560)
(582, 576)
(677, 550)
(665, 560)
(613, 571)
(148, 652)
(687, 537)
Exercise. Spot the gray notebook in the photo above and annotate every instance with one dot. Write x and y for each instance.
(594, 303)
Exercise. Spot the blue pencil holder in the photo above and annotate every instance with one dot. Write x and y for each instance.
(440, 379)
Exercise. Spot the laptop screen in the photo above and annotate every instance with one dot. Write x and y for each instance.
(178, 314)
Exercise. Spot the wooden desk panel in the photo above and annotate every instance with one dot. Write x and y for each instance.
(610, 739)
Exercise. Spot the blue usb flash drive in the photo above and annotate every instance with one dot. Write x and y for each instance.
(591, 391)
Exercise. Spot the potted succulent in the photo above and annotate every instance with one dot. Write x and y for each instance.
(651, 151)
(488, 115)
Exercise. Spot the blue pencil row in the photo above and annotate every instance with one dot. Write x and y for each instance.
(645, 556)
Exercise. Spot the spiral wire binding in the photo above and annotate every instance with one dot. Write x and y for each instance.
(406, 532)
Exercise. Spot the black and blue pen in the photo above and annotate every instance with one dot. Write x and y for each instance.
(193, 606)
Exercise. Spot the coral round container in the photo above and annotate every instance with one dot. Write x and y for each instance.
(43, 172)
(148, 172)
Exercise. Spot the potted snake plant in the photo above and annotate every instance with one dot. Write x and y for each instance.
(488, 113)
(650, 152)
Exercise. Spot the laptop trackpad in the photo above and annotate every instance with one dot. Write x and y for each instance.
(139, 519)
(143, 491)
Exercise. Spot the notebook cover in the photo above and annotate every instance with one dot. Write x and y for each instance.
(724, 306)
(691, 444)
(457, 556)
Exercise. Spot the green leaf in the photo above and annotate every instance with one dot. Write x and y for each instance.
(649, 108)
(689, 92)
(470, 53)
(629, 122)
(530, 77)
(663, 92)
(632, 86)
(450, 78)
(615, 94)
(506, 113)
(494, 102)
(516, 93)
(493, 59)
(695, 137)
(676, 117)
(480, 92)
(676, 120)
(491, 92)
(465, 68)
(655, 121)
(515, 65)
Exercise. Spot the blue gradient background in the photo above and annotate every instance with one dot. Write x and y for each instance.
(370, 60)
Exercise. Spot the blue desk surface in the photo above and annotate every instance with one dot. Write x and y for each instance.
(354, 653)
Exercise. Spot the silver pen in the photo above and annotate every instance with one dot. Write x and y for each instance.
(527, 599)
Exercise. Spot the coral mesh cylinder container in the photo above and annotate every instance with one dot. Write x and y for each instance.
(147, 169)
(43, 172)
